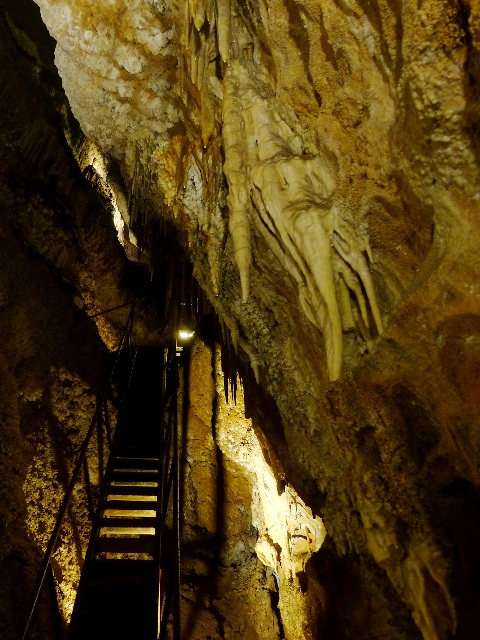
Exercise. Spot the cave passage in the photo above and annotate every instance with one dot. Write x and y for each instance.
(129, 582)
(118, 591)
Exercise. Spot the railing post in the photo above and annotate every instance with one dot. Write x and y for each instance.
(170, 487)
(88, 488)
(176, 506)
(100, 445)
(108, 426)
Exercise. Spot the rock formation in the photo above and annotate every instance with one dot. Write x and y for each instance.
(318, 162)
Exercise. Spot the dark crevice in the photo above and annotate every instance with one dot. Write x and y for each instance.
(328, 50)
(275, 600)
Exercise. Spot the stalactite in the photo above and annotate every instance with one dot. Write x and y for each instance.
(293, 192)
(183, 11)
(198, 13)
(197, 22)
(139, 156)
(350, 247)
(276, 181)
(207, 117)
(193, 56)
(352, 282)
(210, 12)
(235, 172)
(346, 313)
(202, 62)
(234, 344)
(223, 28)
(253, 357)
(229, 363)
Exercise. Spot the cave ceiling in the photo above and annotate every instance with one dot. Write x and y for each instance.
(318, 161)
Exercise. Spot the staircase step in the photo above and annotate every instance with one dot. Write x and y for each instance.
(126, 531)
(129, 462)
(130, 504)
(129, 513)
(132, 490)
(140, 544)
(132, 475)
(128, 522)
(149, 502)
(133, 483)
(136, 471)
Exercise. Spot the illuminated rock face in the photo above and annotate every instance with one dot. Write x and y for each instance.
(166, 119)
(322, 159)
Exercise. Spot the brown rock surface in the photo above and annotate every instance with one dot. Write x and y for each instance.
(320, 161)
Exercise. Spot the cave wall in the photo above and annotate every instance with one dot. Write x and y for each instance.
(52, 363)
(224, 592)
(321, 161)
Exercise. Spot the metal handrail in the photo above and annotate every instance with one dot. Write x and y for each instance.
(71, 486)
(176, 515)
(169, 476)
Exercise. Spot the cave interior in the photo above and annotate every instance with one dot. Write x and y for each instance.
(278, 202)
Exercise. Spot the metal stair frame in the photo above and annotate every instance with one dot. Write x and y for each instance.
(167, 477)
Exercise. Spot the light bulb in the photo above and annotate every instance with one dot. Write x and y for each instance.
(185, 334)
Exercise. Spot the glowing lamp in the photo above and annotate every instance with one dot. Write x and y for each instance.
(185, 334)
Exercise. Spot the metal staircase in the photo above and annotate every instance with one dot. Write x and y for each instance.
(126, 582)
(130, 582)
(118, 591)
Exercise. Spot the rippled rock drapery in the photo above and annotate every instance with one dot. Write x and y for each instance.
(322, 160)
